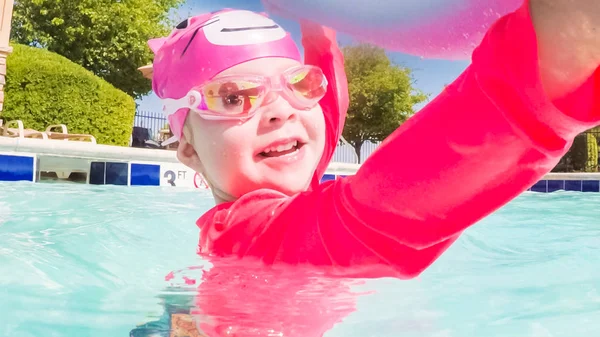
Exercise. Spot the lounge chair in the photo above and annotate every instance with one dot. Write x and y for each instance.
(15, 129)
(167, 140)
(64, 135)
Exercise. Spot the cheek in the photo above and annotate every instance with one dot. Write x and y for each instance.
(315, 125)
(223, 148)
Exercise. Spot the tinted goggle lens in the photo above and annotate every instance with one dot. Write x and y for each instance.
(232, 96)
(307, 83)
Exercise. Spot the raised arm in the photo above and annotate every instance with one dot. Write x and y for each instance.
(321, 50)
(491, 135)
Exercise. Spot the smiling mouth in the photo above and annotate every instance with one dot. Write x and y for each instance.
(282, 150)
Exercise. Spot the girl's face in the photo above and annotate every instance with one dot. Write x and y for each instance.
(277, 148)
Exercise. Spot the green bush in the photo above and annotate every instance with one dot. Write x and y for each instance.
(578, 153)
(44, 88)
(592, 156)
(582, 156)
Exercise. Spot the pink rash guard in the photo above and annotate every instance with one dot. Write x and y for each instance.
(493, 133)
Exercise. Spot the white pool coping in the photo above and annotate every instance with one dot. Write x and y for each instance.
(85, 150)
(118, 153)
(572, 176)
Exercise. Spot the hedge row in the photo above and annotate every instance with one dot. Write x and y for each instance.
(44, 88)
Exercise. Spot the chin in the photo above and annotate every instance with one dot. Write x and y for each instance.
(288, 185)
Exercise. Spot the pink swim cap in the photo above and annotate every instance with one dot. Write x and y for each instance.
(205, 45)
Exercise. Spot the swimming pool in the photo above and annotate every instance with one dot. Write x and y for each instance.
(84, 260)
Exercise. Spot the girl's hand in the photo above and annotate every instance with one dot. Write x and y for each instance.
(568, 33)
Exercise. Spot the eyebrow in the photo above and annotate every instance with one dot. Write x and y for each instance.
(229, 30)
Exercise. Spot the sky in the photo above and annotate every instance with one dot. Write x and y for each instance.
(430, 75)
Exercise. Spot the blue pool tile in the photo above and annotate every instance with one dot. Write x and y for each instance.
(116, 173)
(16, 168)
(540, 186)
(590, 186)
(145, 175)
(555, 185)
(97, 172)
(573, 185)
(327, 177)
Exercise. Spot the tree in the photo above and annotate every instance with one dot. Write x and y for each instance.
(381, 95)
(107, 37)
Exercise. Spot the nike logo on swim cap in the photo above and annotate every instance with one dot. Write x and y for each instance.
(225, 30)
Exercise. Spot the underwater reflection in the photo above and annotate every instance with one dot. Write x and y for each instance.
(244, 298)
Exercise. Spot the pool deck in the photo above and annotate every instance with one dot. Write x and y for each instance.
(84, 150)
(139, 166)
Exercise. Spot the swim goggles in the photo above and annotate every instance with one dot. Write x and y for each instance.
(240, 96)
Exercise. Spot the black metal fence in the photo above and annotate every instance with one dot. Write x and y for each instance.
(153, 121)
(583, 154)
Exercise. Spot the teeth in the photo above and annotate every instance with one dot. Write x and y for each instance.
(281, 148)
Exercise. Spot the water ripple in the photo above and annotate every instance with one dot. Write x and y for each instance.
(91, 261)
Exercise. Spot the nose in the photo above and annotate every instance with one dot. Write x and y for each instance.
(277, 110)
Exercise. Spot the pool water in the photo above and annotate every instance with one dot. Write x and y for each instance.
(81, 260)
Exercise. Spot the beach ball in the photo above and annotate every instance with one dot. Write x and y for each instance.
(444, 29)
